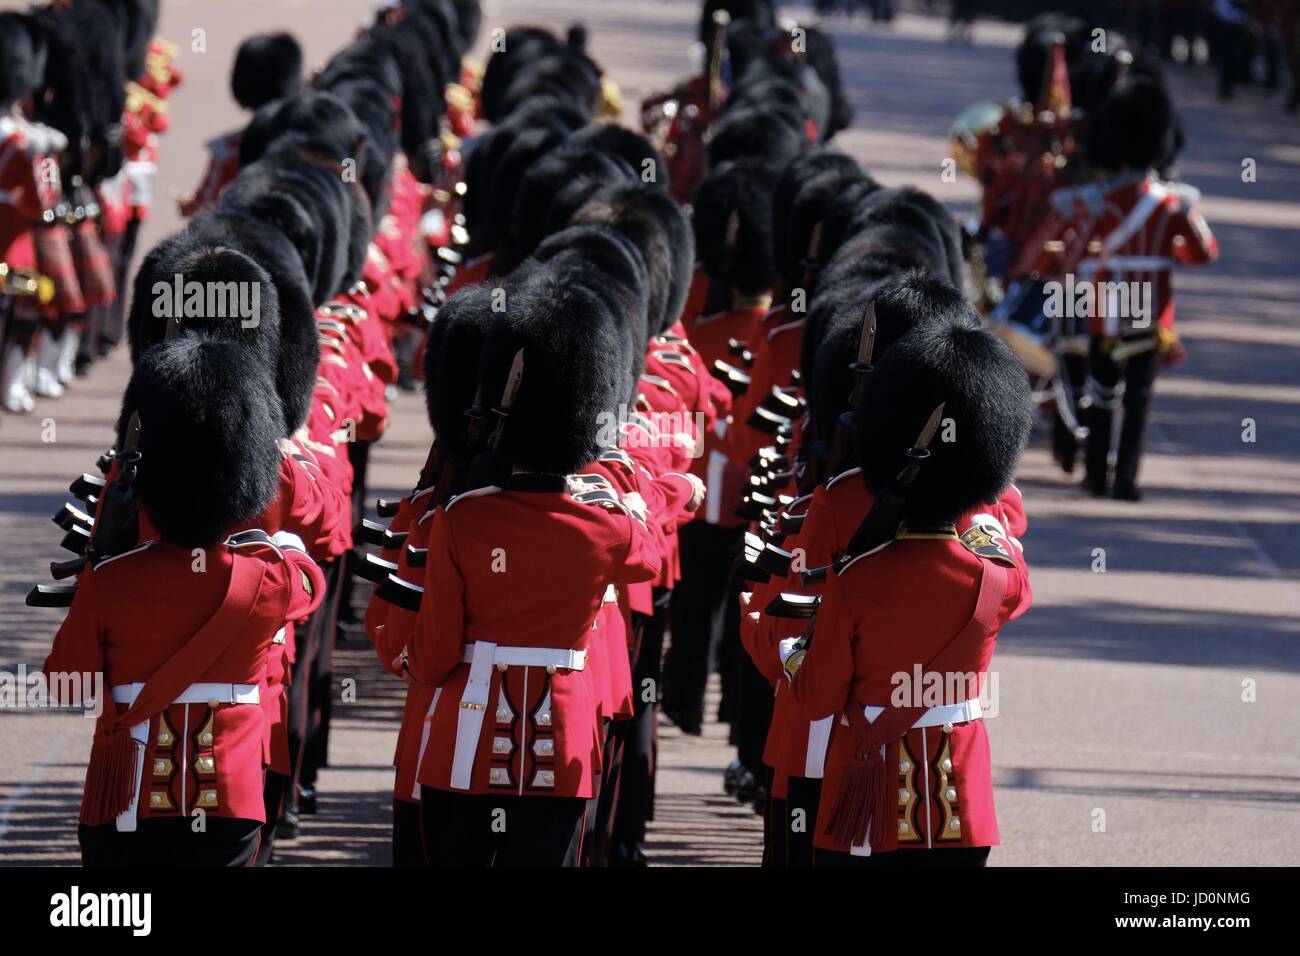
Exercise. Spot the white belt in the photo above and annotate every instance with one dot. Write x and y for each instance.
(482, 656)
(559, 658)
(960, 713)
(194, 694)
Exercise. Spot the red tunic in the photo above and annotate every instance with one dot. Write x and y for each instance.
(888, 614)
(135, 611)
(521, 569)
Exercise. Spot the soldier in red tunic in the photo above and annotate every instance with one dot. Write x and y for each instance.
(515, 581)
(181, 626)
(941, 421)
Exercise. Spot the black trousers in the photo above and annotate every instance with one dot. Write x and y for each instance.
(697, 618)
(408, 845)
(803, 794)
(463, 829)
(274, 787)
(636, 797)
(1112, 385)
(225, 841)
(957, 856)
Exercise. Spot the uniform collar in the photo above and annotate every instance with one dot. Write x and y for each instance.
(536, 481)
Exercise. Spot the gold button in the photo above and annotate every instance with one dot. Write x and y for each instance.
(213, 703)
(502, 715)
(951, 793)
(955, 824)
(946, 765)
(160, 766)
(947, 728)
(155, 799)
(550, 668)
(502, 666)
(904, 765)
(903, 796)
(205, 739)
(903, 827)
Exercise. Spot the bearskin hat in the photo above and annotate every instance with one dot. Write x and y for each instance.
(1134, 127)
(660, 231)
(420, 90)
(215, 279)
(820, 52)
(607, 263)
(520, 45)
(568, 399)
(140, 19)
(22, 57)
(982, 387)
(733, 226)
(1034, 55)
(369, 57)
(469, 20)
(762, 13)
(209, 437)
(525, 150)
(576, 171)
(267, 67)
(567, 74)
(298, 354)
(255, 192)
(796, 186)
(630, 146)
(759, 133)
(451, 366)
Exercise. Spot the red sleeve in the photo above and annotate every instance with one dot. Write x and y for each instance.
(439, 634)
(78, 645)
(1192, 242)
(644, 557)
(821, 684)
(306, 584)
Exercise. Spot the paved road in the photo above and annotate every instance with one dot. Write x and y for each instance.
(1147, 713)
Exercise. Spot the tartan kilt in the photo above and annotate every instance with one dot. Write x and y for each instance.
(94, 267)
(54, 260)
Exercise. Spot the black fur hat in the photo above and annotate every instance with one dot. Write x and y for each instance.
(659, 229)
(630, 146)
(209, 437)
(821, 57)
(298, 354)
(607, 263)
(369, 57)
(223, 292)
(451, 366)
(255, 192)
(576, 171)
(566, 409)
(733, 226)
(422, 97)
(756, 133)
(983, 389)
(1134, 127)
(525, 150)
(140, 19)
(268, 66)
(519, 45)
(22, 57)
(1033, 56)
(469, 20)
(762, 13)
(809, 183)
(567, 74)
(908, 225)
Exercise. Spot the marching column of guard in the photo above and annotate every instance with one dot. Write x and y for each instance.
(707, 397)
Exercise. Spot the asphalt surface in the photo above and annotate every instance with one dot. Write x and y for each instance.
(1147, 714)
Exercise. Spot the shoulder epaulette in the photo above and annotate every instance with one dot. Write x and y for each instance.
(136, 550)
(987, 539)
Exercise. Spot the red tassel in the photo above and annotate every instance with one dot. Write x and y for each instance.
(112, 779)
(861, 800)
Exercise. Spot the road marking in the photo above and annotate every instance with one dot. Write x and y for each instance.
(51, 750)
